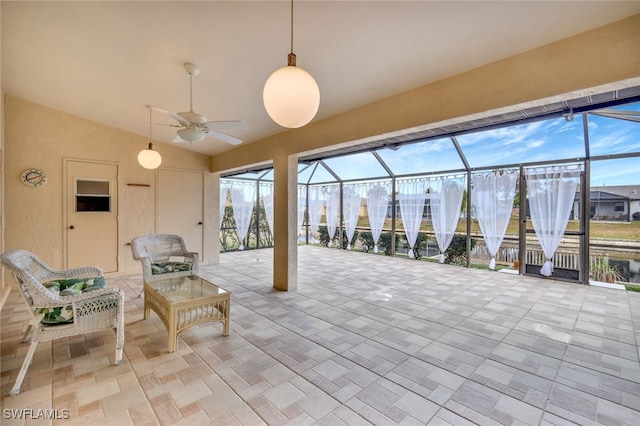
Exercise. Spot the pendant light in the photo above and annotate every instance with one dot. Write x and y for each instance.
(149, 158)
(291, 95)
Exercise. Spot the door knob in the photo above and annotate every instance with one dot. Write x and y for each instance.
(71, 227)
(199, 223)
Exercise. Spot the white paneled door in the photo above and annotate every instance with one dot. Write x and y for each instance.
(180, 206)
(92, 214)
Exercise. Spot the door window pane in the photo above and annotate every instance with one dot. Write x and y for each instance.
(92, 196)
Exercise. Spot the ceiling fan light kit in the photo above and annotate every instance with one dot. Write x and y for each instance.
(291, 95)
(191, 134)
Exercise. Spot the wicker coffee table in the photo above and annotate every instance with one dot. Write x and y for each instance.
(182, 302)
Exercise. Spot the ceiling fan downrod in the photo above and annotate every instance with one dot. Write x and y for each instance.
(192, 70)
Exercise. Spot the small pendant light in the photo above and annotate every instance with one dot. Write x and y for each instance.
(149, 158)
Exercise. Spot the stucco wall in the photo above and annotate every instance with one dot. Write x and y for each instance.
(4, 278)
(40, 137)
(4, 282)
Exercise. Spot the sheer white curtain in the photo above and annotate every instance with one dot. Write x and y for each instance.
(377, 205)
(551, 191)
(351, 208)
(266, 193)
(302, 205)
(492, 196)
(411, 197)
(446, 200)
(224, 191)
(332, 198)
(316, 203)
(242, 200)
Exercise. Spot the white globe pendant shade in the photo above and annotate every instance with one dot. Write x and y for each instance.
(149, 158)
(291, 97)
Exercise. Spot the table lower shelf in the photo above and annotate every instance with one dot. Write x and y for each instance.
(179, 316)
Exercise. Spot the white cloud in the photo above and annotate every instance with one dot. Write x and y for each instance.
(535, 144)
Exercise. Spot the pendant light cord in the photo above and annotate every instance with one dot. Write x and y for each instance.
(291, 58)
(150, 119)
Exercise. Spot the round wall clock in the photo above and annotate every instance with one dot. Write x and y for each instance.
(34, 177)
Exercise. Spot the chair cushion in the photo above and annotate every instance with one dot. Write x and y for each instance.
(68, 287)
(167, 267)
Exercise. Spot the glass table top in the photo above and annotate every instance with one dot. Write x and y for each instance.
(189, 287)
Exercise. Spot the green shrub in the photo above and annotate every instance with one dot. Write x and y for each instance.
(366, 241)
(323, 235)
(345, 241)
(421, 242)
(600, 270)
(385, 242)
(457, 251)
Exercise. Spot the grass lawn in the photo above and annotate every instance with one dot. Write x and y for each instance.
(606, 230)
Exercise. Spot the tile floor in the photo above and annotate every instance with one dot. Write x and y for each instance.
(365, 340)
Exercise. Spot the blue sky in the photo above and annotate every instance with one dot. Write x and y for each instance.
(548, 140)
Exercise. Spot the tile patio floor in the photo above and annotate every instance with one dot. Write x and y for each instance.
(365, 340)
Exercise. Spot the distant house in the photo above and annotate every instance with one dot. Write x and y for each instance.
(632, 192)
(614, 203)
(603, 206)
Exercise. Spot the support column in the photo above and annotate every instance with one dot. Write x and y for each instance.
(212, 222)
(285, 212)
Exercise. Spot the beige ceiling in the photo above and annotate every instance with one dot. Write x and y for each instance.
(105, 61)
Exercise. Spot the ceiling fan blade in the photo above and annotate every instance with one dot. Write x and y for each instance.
(168, 125)
(232, 124)
(224, 137)
(169, 114)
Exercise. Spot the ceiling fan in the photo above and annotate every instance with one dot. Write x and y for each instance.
(194, 127)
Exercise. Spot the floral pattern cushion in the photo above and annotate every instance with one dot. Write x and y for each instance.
(68, 287)
(167, 267)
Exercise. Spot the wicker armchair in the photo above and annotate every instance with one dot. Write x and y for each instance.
(95, 309)
(164, 256)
